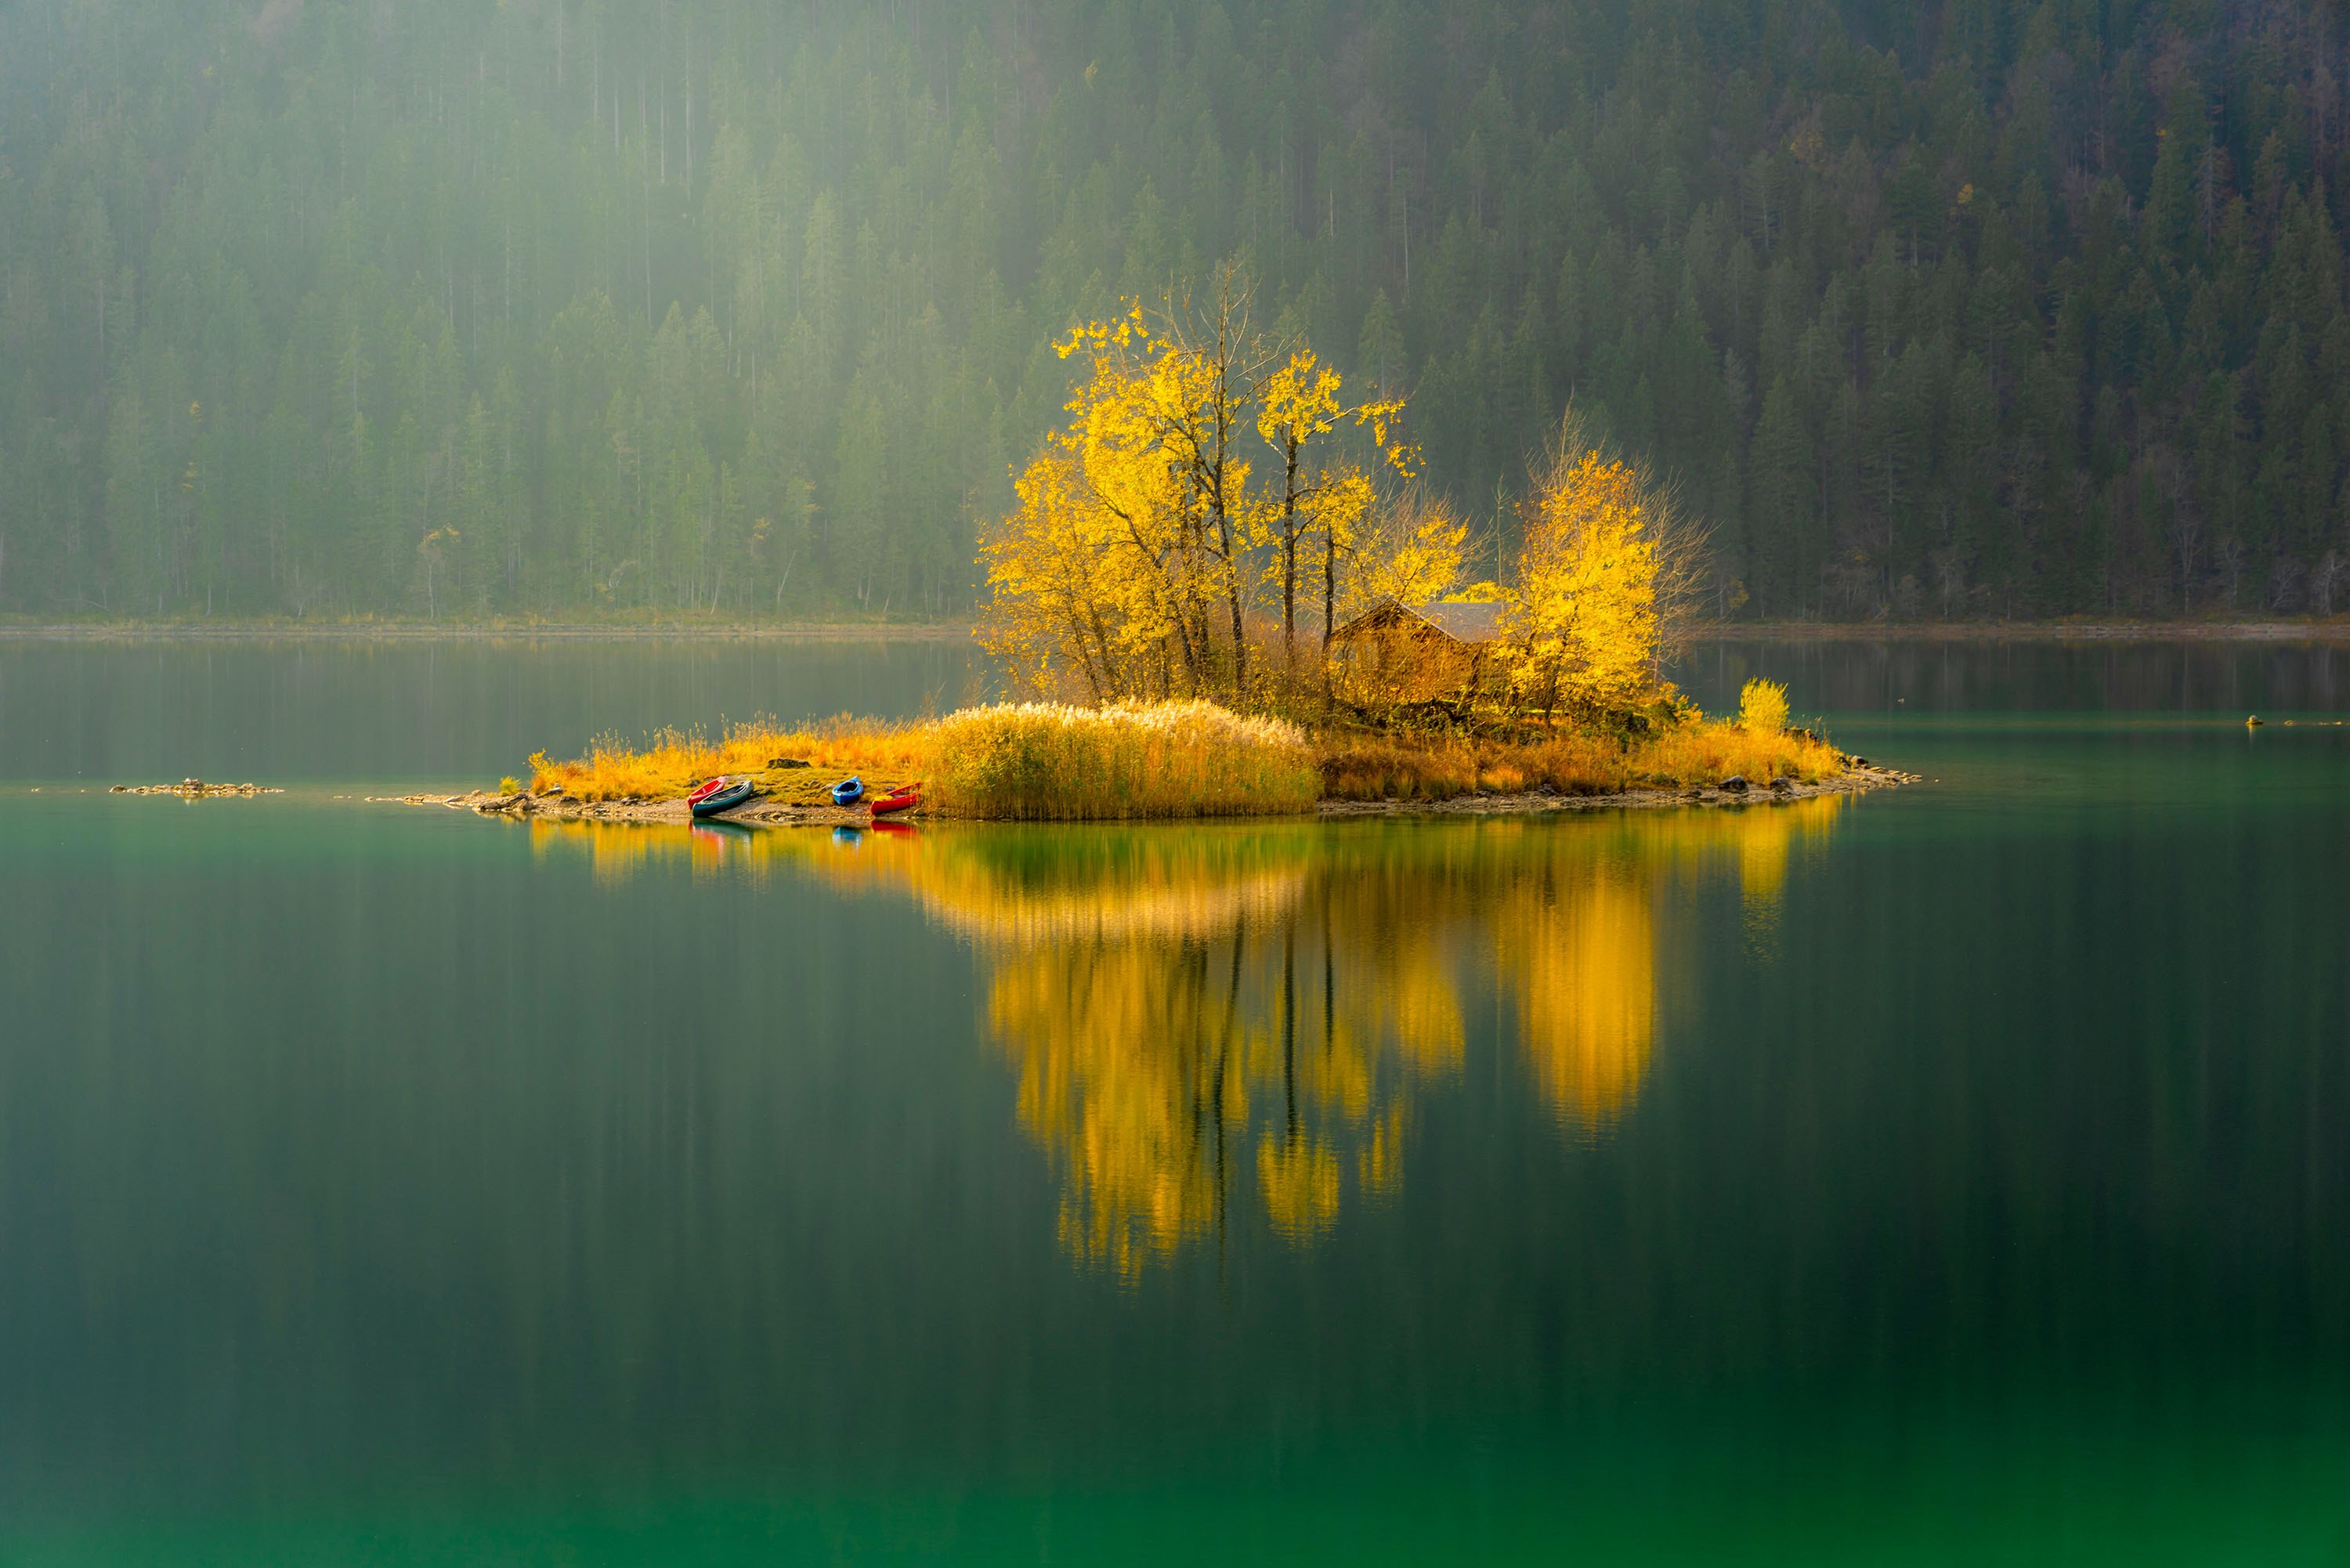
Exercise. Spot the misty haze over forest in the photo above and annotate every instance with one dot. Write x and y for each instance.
(551, 306)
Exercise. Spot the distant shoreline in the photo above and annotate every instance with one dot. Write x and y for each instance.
(2330, 632)
(403, 631)
(2317, 631)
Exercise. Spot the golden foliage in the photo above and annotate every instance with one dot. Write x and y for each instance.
(1142, 545)
(1763, 707)
(1607, 576)
(1413, 550)
(1582, 614)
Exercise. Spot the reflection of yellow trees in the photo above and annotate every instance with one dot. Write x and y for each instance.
(1197, 1012)
(1579, 952)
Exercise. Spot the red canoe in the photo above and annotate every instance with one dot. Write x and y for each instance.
(905, 797)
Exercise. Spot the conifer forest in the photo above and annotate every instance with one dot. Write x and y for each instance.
(1983, 309)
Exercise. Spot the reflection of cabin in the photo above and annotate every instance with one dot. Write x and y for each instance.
(1415, 653)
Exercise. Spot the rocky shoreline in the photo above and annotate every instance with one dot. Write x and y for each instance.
(195, 789)
(555, 806)
(1858, 779)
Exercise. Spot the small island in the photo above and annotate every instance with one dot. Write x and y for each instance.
(1155, 600)
(1153, 604)
(1062, 762)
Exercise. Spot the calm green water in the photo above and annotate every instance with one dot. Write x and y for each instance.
(1958, 1175)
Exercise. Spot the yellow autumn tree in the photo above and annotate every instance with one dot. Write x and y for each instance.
(1141, 546)
(1606, 576)
(1056, 596)
(1129, 525)
(1299, 404)
(1413, 547)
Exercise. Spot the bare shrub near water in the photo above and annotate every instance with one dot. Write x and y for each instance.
(1055, 761)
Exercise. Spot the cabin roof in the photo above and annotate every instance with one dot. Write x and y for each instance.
(1463, 620)
(1460, 620)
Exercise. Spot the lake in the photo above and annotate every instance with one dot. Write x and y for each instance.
(1954, 1174)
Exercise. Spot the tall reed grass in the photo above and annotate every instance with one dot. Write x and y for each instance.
(1052, 761)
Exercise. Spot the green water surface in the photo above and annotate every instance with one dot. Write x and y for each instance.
(1958, 1174)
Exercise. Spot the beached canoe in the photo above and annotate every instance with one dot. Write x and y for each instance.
(905, 797)
(849, 791)
(726, 799)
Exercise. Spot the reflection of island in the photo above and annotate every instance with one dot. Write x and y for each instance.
(1195, 1013)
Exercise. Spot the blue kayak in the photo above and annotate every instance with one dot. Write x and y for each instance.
(849, 791)
(725, 799)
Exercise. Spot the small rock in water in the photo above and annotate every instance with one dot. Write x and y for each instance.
(1736, 783)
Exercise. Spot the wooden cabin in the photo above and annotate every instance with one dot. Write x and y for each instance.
(1394, 653)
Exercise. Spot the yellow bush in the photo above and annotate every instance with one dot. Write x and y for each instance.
(1763, 707)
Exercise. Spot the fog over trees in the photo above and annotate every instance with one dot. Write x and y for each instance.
(467, 307)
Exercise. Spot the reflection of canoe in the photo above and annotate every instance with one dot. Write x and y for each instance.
(719, 835)
(725, 799)
(895, 829)
(849, 791)
(905, 797)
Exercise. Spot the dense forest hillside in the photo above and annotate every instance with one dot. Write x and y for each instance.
(509, 307)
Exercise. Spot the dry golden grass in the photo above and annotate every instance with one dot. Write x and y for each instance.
(669, 763)
(1440, 769)
(1052, 761)
(1007, 762)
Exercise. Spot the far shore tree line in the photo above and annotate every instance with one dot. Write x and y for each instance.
(1217, 510)
(725, 309)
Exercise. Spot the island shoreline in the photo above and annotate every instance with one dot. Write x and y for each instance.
(522, 807)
